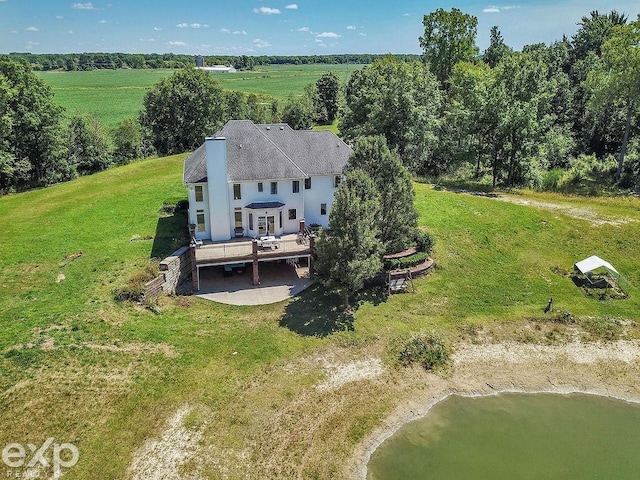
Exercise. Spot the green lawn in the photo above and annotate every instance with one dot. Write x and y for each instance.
(79, 366)
(116, 95)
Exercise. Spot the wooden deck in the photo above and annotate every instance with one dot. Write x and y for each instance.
(241, 250)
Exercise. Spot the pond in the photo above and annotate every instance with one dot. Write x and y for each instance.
(515, 436)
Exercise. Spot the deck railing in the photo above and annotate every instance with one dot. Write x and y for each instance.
(220, 252)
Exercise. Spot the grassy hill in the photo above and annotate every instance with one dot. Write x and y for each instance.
(116, 95)
(83, 368)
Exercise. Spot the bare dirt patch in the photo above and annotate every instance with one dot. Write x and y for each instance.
(341, 374)
(162, 458)
(581, 213)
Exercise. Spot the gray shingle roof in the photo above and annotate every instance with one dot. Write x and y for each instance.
(272, 152)
(195, 166)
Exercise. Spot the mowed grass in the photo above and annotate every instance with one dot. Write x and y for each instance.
(116, 95)
(83, 368)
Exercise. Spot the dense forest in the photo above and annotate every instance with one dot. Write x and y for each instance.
(557, 117)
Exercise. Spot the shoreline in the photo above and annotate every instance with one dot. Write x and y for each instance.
(604, 369)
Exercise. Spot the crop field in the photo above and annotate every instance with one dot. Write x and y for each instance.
(82, 367)
(116, 95)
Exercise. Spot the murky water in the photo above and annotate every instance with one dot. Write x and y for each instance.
(514, 437)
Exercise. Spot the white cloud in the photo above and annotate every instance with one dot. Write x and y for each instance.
(157, 29)
(14, 32)
(491, 9)
(177, 44)
(259, 43)
(103, 22)
(31, 29)
(147, 39)
(267, 11)
(351, 27)
(83, 6)
(192, 25)
(59, 17)
(33, 44)
(69, 32)
(328, 35)
(225, 30)
(406, 14)
(239, 32)
(304, 29)
(510, 7)
(362, 34)
(293, 6)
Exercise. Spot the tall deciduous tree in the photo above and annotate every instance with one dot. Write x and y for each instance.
(33, 132)
(449, 38)
(402, 102)
(328, 86)
(298, 113)
(86, 146)
(350, 252)
(181, 110)
(127, 141)
(398, 216)
(618, 78)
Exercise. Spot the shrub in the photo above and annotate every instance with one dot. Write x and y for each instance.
(408, 262)
(428, 350)
(424, 242)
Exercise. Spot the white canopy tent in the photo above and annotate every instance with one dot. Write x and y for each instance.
(588, 265)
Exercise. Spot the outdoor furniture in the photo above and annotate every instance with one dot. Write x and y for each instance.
(268, 241)
(196, 242)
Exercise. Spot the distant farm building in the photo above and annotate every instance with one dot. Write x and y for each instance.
(201, 65)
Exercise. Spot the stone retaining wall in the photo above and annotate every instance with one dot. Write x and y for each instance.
(174, 269)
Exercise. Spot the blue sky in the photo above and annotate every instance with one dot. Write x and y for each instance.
(273, 27)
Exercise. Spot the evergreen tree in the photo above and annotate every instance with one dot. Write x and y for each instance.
(398, 216)
(350, 252)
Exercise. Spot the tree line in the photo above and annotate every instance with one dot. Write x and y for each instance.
(93, 61)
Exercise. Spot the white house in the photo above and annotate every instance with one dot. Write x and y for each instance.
(252, 180)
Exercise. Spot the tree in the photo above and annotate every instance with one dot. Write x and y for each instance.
(350, 252)
(298, 113)
(127, 141)
(618, 77)
(497, 48)
(402, 102)
(181, 110)
(328, 87)
(236, 106)
(33, 138)
(86, 146)
(449, 38)
(398, 216)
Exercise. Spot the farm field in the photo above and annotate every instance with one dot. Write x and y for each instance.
(241, 388)
(116, 95)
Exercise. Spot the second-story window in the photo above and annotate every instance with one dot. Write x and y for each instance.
(307, 183)
(199, 194)
(274, 188)
(259, 187)
(337, 180)
(237, 195)
(295, 186)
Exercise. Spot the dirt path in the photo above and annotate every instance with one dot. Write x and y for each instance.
(581, 213)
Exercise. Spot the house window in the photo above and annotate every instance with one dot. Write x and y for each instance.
(280, 218)
(251, 221)
(237, 195)
(295, 186)
(292, 214)
(336, 181)
(199, 194)
(274, 188)
(323, 209)
(200, 221)
(238, 218)
(307, 183)
(259, 187)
